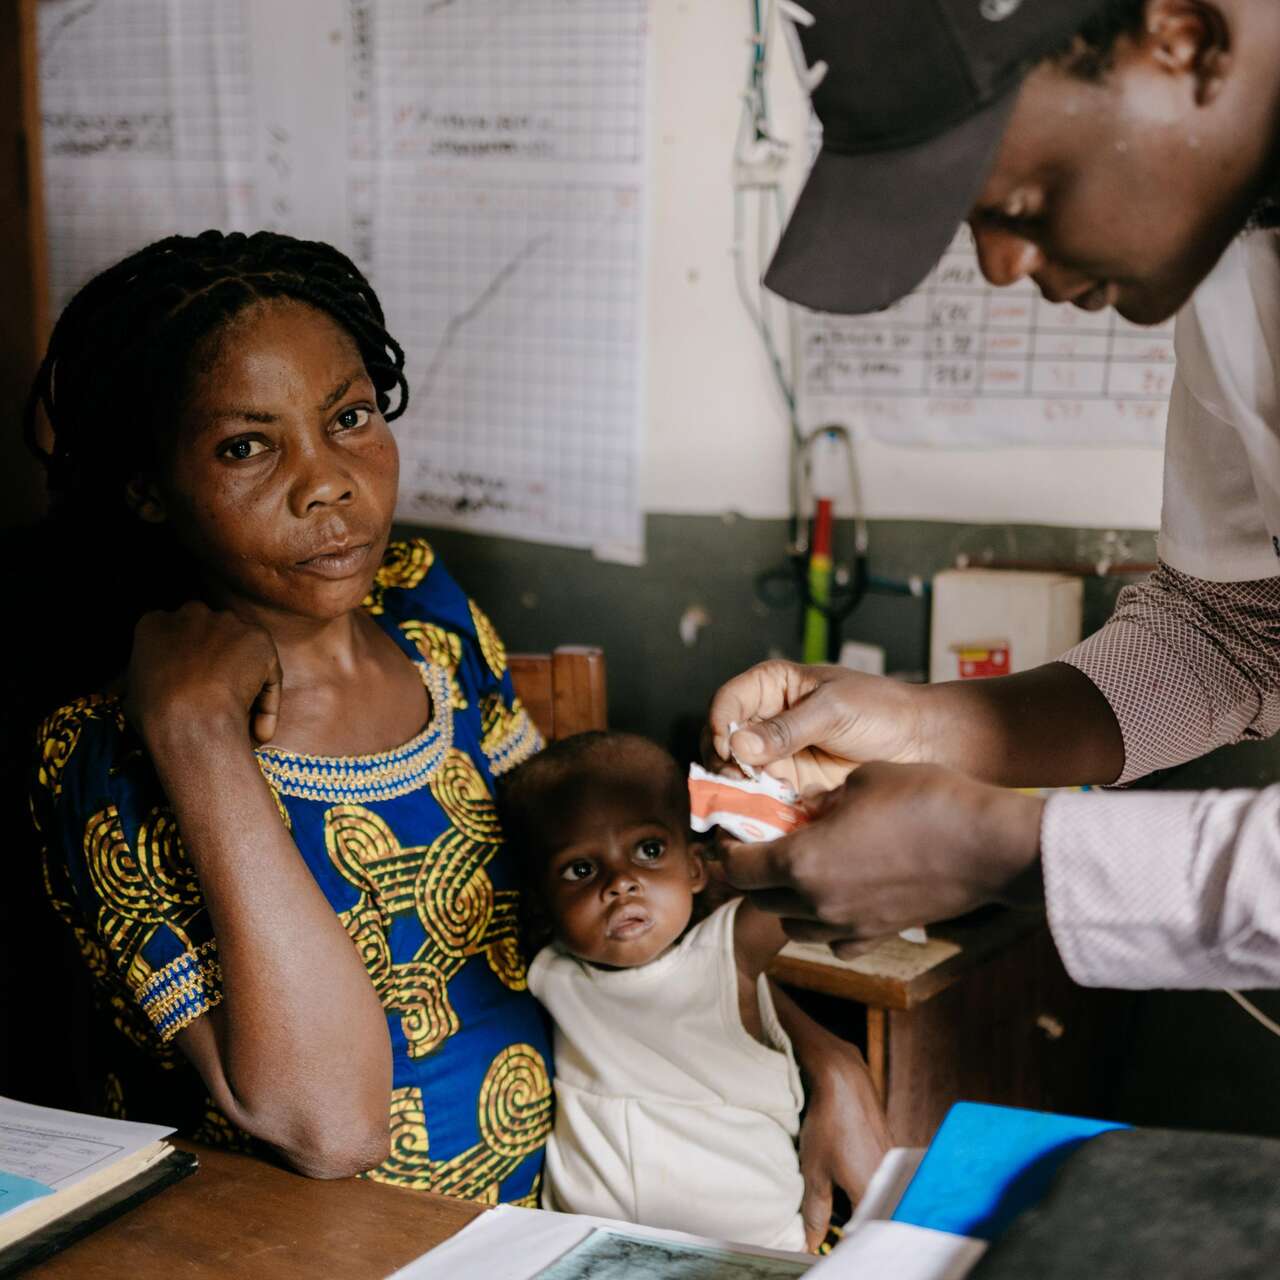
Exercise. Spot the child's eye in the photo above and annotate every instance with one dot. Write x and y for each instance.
(650, 850)
(239, 450)
(349, 419)
(579, 869)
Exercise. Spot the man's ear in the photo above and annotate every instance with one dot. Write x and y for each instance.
(1190, 37)
(144, 500)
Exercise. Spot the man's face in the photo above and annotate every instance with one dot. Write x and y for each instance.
(1124, 191)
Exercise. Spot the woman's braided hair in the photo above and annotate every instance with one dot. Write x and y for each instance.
(120, 356)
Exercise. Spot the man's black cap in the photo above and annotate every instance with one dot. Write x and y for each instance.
(913, 102)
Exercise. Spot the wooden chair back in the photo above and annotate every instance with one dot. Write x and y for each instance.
(563, 690)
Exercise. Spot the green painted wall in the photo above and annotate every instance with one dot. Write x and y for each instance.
(540, 596)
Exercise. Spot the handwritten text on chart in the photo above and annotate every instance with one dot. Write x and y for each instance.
(1005, 362)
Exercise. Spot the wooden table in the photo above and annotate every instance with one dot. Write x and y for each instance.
(239, 1218)
(984, 1012)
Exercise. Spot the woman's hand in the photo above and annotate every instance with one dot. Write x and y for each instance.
(812, 725)
(197, 669)
(843, 1137)
(895, 846)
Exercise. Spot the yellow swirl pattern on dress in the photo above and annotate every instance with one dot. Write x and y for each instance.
(454, 895)
(440, 648)
(445, 885)
(113, 1096)
(515, 1102)
(137, 893)
(117, 878)
(514, 1119)
(404, 565)
(503, 951)
(366, 852)
(491, 646)
(420, 993)
(463, 794)
(60, 733)
(163, 861)
(364, 924)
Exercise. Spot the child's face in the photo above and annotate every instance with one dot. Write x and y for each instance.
(281, 474)
(622, 876)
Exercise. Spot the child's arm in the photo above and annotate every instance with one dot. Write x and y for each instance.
(845, 1132)
(757, 937)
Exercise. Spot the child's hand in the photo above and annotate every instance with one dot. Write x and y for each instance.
(843, 1138)
(205, 672)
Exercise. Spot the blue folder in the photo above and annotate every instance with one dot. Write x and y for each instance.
(986, 1164)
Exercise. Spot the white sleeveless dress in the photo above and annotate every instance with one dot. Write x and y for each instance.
(668, 1113)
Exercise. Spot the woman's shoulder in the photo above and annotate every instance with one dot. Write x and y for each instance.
(414, 593)
(90, 735)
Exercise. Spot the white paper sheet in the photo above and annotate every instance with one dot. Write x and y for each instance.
(899, 1251)
(61, 1148)
(498, 154)
(895, 1170)
(147, 120)
(483, 161)
(515, 1244)
(959, 362)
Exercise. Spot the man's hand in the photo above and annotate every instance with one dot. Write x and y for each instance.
(812, 725)
(895, 846)
(843, 1138)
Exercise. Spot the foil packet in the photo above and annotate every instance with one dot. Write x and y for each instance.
(752, 810)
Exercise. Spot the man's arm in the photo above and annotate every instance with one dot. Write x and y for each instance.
(1187, 665)
(1184, 665)
(1173, 889)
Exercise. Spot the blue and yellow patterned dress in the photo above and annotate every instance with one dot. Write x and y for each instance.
(405, 845)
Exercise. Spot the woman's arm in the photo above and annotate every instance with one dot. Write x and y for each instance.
(298, 1053)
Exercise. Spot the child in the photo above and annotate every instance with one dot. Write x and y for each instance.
(678, 1099)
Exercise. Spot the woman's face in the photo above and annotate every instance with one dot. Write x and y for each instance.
(281, 474)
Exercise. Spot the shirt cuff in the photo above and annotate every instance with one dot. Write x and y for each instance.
(1116, 871)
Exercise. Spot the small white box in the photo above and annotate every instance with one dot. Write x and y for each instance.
(997, 621)
(862, 657)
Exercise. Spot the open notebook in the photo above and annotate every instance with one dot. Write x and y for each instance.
(63, 1174)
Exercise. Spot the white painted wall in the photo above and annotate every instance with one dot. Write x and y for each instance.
(716, 436)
